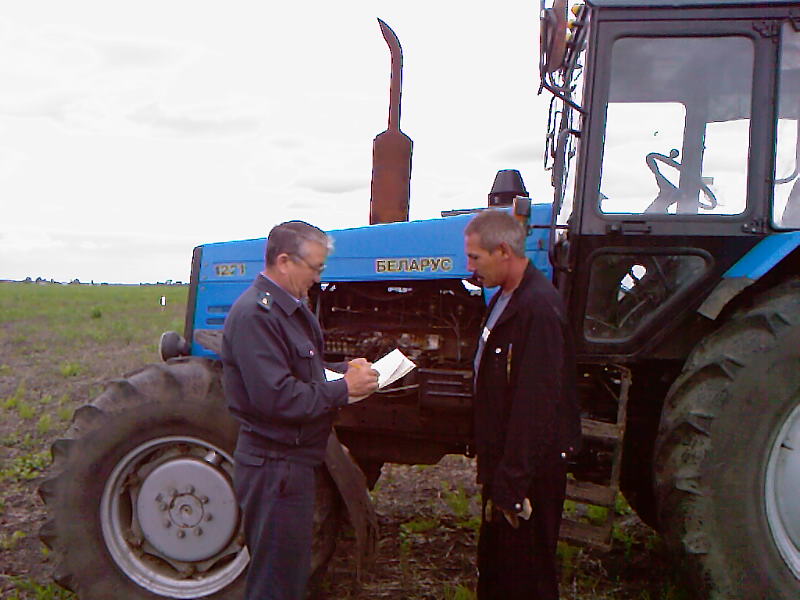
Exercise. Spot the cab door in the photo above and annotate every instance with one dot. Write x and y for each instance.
(677, 159)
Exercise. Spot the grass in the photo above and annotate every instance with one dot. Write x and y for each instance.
(82, 315)
(70, 369)
(59, 344)
(465, 508)
(44, 424)
(26, 466)
(418, 526)
(458, 592)
(457, 500)
(26, 589)
(596, 515)
(9, 542)
(14, 399)
(621, 506)
(26, 411)
(29, 442)
(567, 556)
(64, 413)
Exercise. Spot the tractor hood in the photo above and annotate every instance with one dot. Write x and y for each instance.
(411, 250)
(428, 249)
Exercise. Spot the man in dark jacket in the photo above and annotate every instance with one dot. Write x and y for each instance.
(275, 385)
(526, 414)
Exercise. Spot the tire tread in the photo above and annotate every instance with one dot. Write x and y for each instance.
(696, 398)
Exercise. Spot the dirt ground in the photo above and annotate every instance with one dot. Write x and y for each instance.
(428, 534)
(427, 546)
(427, 514)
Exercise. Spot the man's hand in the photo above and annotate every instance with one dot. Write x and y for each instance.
(527, 510)
(511, 517)
(361, 379)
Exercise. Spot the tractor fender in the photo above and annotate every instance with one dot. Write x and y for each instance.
(749, 269)
(352, 487)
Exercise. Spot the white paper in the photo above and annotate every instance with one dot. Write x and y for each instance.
(332, 375)
(390, 368)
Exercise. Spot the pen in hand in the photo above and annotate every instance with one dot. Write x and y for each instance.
(361, 379)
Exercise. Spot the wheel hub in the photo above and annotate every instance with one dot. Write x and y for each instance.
(782, 491)
(187, 510)
(170, 520)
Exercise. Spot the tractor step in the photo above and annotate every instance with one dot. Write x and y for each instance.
(586, 534)
(591, 493)
(589, 512)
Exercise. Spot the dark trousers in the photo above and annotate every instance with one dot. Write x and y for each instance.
(276, 496)
(517, 564)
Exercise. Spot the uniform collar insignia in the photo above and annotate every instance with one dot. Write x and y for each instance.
(265, 300)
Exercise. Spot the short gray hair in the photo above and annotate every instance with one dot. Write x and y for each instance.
(289, 237)
(496, 227)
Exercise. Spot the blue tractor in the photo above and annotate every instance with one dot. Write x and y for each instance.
(673, 234)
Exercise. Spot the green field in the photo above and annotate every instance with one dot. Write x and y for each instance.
(59, 344)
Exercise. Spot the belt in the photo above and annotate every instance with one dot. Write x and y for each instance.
(276, 450)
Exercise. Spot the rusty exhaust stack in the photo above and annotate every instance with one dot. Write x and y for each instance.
(391, 150)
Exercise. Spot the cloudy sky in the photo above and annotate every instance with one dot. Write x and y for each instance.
(131, 132)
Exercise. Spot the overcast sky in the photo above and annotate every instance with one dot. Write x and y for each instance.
(131, 132)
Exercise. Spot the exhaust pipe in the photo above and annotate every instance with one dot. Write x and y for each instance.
(391, 150)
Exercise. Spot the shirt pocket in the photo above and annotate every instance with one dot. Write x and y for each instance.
(498, 360)
(305, 353)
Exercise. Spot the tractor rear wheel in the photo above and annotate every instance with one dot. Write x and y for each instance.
(141, 505)
(727, 459)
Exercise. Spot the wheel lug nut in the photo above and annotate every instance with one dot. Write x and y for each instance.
(204, 499)
(159, 498)
(181, 533)
(209, 516)
(167, 523)
(198, 531)
(190, 489)
(162, 506)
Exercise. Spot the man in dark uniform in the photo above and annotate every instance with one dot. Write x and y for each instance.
(526, 415)
(273, 375)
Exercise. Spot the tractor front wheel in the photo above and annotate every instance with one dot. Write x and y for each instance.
(142, 506)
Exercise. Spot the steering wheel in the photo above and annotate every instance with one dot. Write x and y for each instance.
(668, 193)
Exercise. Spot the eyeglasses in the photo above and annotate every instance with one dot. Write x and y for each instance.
(318, 269)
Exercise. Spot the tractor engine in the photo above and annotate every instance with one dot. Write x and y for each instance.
(433, 322)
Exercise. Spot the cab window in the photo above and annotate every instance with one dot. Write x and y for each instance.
(786, 196)
(677, 126)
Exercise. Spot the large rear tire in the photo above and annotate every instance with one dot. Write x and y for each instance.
(141, 505)
(727, 460)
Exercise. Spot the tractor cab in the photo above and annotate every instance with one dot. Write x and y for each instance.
(673, 146)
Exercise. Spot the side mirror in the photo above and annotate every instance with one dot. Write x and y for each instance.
(553, 36)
